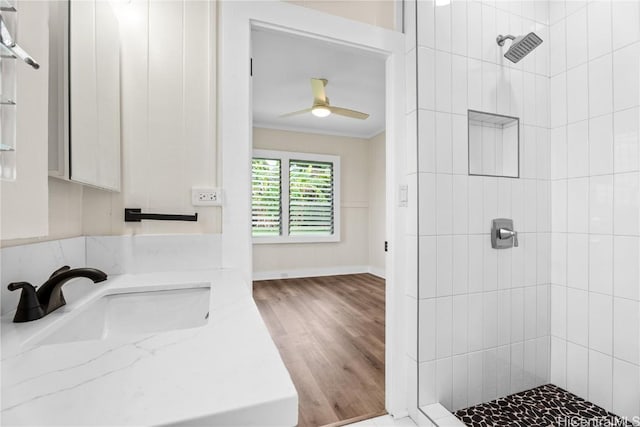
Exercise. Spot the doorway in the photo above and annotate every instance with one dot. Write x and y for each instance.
(236, 135)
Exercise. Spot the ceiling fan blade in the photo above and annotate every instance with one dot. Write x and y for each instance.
(295, 113)
(317, 87)
(348, 113)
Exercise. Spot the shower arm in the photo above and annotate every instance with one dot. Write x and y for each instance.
(501, 39)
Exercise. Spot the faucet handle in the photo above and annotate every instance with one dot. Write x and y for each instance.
(60, 270)
(29, 307)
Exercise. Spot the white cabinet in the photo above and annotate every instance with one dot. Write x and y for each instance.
(85, 94)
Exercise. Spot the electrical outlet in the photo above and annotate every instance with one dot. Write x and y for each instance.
(206, 196)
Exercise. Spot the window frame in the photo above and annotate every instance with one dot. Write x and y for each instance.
(285, 157)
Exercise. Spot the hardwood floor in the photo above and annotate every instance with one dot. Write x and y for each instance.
(330, 333)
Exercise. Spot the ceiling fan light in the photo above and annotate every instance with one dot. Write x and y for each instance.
(320, 111)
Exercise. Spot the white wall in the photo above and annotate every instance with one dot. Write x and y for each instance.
(374, 12)
(377, 203)
(352, 253)
(24, 201)
(595, 164)
(483, 313)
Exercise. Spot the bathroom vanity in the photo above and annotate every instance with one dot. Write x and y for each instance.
(172, 348)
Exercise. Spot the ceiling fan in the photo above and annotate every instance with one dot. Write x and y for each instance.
(321, 106)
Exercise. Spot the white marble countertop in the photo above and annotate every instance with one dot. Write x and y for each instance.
(227, 372)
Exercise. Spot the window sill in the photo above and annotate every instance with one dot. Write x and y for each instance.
(295, 239)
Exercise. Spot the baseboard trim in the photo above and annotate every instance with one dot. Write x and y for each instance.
(312, 272)
(377, 271)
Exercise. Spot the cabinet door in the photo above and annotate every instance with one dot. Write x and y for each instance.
(94, 94)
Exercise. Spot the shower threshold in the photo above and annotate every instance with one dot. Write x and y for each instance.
(544, 406)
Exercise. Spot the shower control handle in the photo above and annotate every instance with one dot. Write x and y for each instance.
(505, 233)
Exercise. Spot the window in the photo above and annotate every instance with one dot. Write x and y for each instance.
(295, 197)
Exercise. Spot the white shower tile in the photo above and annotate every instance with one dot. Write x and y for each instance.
(578, 369)
(444, 159)
(504, 317)
(600, 379)
(559, 206)
(426, 18)
(600, 86)
(558, 371)
(444, 312)
(410, 84)
(475, 328)
(542, 311)
(503, 365)
(476, 250)
(443, 26)
(505, 264)
(601, 204)
(427, 202)
(460, 381)
(489, 86)
(443, 81)
(530, 206)
(577, 39)
(559, 311)
(601, 264)
(577, 259)
(558, 100)
(427, 383)
(626, 140)
(543, 263)
(490, 319)
(428, 321)
(557, 48)
(444, 379)
(529, 374)
(529, 99)
(626, 389)
(458, 84)
(626, 203)
(625, 17)
(460, 264)
(474, 29)
(601, 145)
(626, 332)
(577, 316)
(542, 100)
(578, 205)
(557, 11)
(599, 25)
(517, 93)
(490, 202)
(460, 324)
(426, 71)
(529, 244)
(490, 50)
(474, 395)
(474, 82)
(626, 68)
(426, 141)
(444, 204)
(459, 27)
(625, 265)
(559, 153)
(600, 322)
(517, 367)
(530, 320)
(578, 149)
(444, 256)
(543, 203)
(543, 141)
(559, 259)
(490, 268)
(489, 375)
(577, 94)
(460, 204)
(428, 266)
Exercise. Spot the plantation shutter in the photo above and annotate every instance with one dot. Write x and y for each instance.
(310, 198)
(266, 190)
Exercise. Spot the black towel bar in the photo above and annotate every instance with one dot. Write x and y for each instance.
(136, 215)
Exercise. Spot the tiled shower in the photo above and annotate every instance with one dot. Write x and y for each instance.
(563, 306)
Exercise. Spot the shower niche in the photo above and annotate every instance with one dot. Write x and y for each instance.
(494, 144)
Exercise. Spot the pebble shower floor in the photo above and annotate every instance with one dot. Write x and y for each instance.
(543, 406)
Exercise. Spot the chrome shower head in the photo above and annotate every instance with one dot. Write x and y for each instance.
(521, 46)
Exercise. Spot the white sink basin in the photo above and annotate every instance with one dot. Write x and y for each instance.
(121, 314)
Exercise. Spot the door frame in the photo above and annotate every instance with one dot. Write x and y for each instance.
(236, 20)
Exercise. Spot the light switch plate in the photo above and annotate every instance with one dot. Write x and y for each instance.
(206, 196)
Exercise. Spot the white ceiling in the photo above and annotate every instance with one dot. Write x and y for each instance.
(283, 65)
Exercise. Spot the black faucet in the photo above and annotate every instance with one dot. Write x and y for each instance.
(35, 304)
